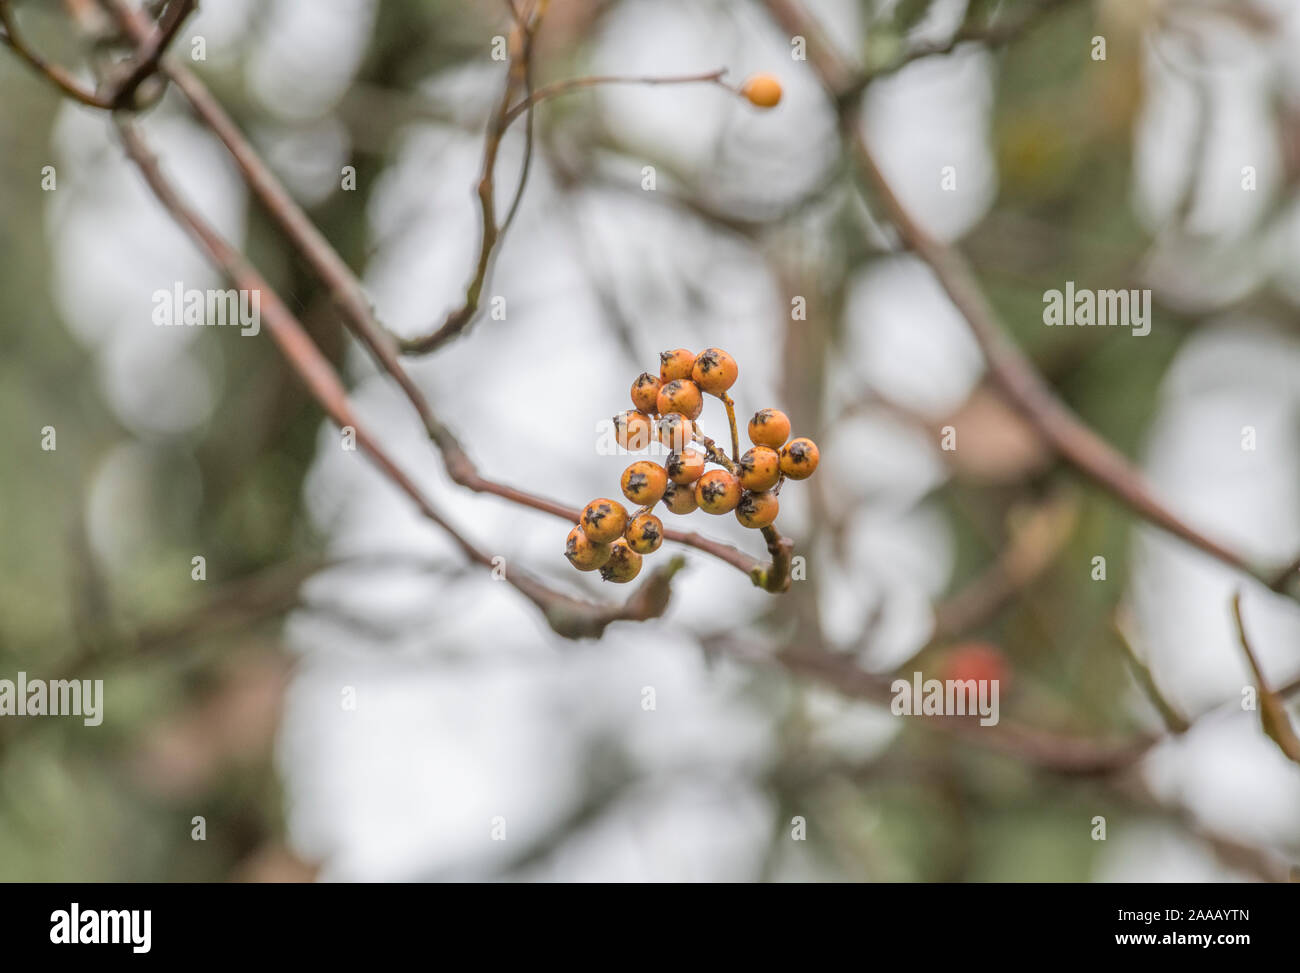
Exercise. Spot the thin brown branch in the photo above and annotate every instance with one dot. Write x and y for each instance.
(153, 43)
(1174, 720)
(1273, 716)
(564, 87)
(148, 60)
(996, 34)
(57, 75)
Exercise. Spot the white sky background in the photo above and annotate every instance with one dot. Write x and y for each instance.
(475, 710)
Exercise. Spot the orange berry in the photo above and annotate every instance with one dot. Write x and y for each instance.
(644, 392)
(675, 431)
(762, 90)
(584, 553)
(675, 364)
(714, 371)
(760, 468)
(682, 396)
(623, 565)
(645, 533)
(685, 467)
(633, 430)
(644, 482)
(603, 520)
(717, 492)
(758, 509)
(769, 427)
(679, 498)
(799, 457)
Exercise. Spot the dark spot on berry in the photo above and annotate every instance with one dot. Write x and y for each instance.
(650, 532)
(636, 482)
(799, 452)
(708, 361)
(712, 490)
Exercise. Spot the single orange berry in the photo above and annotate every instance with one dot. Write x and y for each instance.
(675, 364)
(717, 492)
(714, 371)
(645, 533)
(685, 467)
(675, 431)
(762, 90)
(584, 553)
(799, 457)
(682, 396)
(623, 565)
(644, 392)
(644, 482)
(758, 509)
(679, 498)
(760, 468)
(603, 520)
(633, 430)
(769, 427)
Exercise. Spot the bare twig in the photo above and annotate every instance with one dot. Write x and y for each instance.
(1174, 720)
(57, 75)
(557, 88)
(1272, 712)
(996, 34)
(150, 57)
(153, 43)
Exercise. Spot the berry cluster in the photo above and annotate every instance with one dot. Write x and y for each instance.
(667, 407)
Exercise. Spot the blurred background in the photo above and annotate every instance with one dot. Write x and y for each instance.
(227, 698)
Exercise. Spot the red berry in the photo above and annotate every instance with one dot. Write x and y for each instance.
(978, 661)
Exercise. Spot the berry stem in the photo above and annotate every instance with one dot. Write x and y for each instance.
(775, 577)
(714, 454)
(731, 418)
